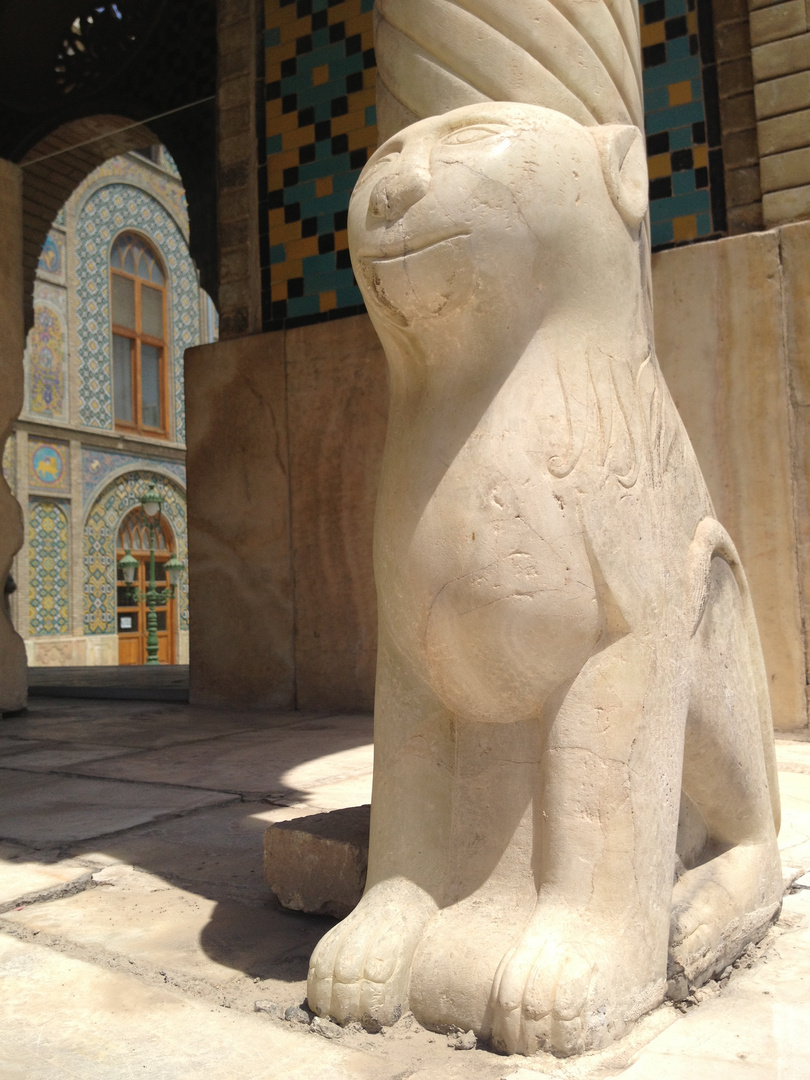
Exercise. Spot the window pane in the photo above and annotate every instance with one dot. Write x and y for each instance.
(156, 274)
(150, 386)
(129, 262)
(122, 378)
(151, 312)
(144, 263)
(115, 255)
(123, 301)
(161, 619)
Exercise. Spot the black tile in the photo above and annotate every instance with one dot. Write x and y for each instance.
(711, 105)
(369, 59)
(309, 226)
(654, 12)
(340, 220)
(339, 106)
(289, 103)
(701, 177)
(295, 287)
(306, 154)
(694, 47)
(303, 45)
(306, 116)
(323, 130)
(303, 8)
(676, 28)
(337, 32)
(654, 55)
(292, 212)
(289, 68)
(661, 188)
(278, 309)
(354, 82)
(658, 143)
(705, 20)
(343, 260)
(290, 176)
(354, 44)
(681, 160)
(272, 92)
(340, 144)
(699, 133)
(320, 20)
(264, 250)
(326, 243)
(357, 158)
(275, 199)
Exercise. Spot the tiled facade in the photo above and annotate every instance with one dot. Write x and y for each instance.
(46, 353)
(49, 567)
(108, 211)
(100, 537)
(320, 128)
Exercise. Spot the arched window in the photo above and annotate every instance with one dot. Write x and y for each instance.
(138, 306)
(134, 536)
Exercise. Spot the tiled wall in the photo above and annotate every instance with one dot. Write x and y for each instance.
(48, 581)
(320, 127)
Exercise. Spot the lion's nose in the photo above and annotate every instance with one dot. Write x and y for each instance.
(396, 193)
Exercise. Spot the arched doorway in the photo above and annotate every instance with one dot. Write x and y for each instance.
(130, 615)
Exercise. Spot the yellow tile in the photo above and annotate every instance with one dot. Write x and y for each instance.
(358, 138)
(328, 300)
(350, 121)
(700, 156)
(279, 16)
(320, 75)
(273, 58)
(278, 290)
(359, 24)
(691, 22)
(659, 166)
(278, 122)
(323, 186)
(286, 270)
(300, 249)
(341, 240)
(284, 232)
(298, 137)
(653, 34)
(291, 31)
(680, 93)
(275, 219)
(684, 228)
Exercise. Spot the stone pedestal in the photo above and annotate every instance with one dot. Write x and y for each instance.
(13, 686)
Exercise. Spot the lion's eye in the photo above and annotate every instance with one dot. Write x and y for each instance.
(474, 133)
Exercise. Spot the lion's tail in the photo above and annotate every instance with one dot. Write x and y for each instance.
(711, 540)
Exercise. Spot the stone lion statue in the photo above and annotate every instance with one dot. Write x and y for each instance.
(575, 801)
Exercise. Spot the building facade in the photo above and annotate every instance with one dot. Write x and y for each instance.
(116, 303)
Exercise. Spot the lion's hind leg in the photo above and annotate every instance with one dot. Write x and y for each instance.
(732, 893)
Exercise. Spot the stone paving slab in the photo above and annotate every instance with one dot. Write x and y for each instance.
(23, 878)
(46, 810)
(55, 757)
(214, 852)
(286, 766)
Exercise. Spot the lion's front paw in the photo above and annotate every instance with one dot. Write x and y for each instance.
(360, 969)
(563, 991)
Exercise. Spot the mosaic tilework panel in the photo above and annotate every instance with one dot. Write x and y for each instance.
(97, 466)
(48, 568)
(46, 354)
(48, 466)
(683, 152)
(320, 120)
(131, 170)
(52, 256)
(107, 212)
(100, 536)
(10, 462)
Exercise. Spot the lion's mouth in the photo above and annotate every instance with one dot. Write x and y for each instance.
(389, 256)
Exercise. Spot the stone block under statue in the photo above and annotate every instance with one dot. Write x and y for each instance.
(575, 802)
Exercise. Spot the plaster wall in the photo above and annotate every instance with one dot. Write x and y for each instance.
(286, 432)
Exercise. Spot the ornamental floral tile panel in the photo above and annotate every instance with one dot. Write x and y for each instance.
(48, 567)
(48, 466)
(10, 462)
(46, 354)
(109, 211)
(52, 256)
(100, 541)
(132, 170)
(98, 465)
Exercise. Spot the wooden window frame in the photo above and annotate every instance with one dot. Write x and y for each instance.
(137, 338)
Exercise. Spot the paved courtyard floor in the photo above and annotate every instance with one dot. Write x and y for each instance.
(137, 934)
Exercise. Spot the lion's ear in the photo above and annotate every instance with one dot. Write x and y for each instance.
(623, 155)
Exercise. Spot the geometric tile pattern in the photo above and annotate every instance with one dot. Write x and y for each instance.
(48, 466)
(132, 170)
(46, 354)
(108, 211)
(675, 120)
(100, 536)
(48, 548)
(320, 126)
(97, 465)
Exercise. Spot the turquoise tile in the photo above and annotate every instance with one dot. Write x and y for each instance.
(678, 49)
(704, 223)
(655, 100)
(278, 254)
(683, 183)
(675, 8)
(661, 233)
(673, 71)
(349, 295)
(303, 305)
(273, 145)
(674, 117)
(272, 37)
(680, 138)
(371, 115)
(679, 205)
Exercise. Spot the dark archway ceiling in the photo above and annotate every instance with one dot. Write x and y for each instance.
(65, 60)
